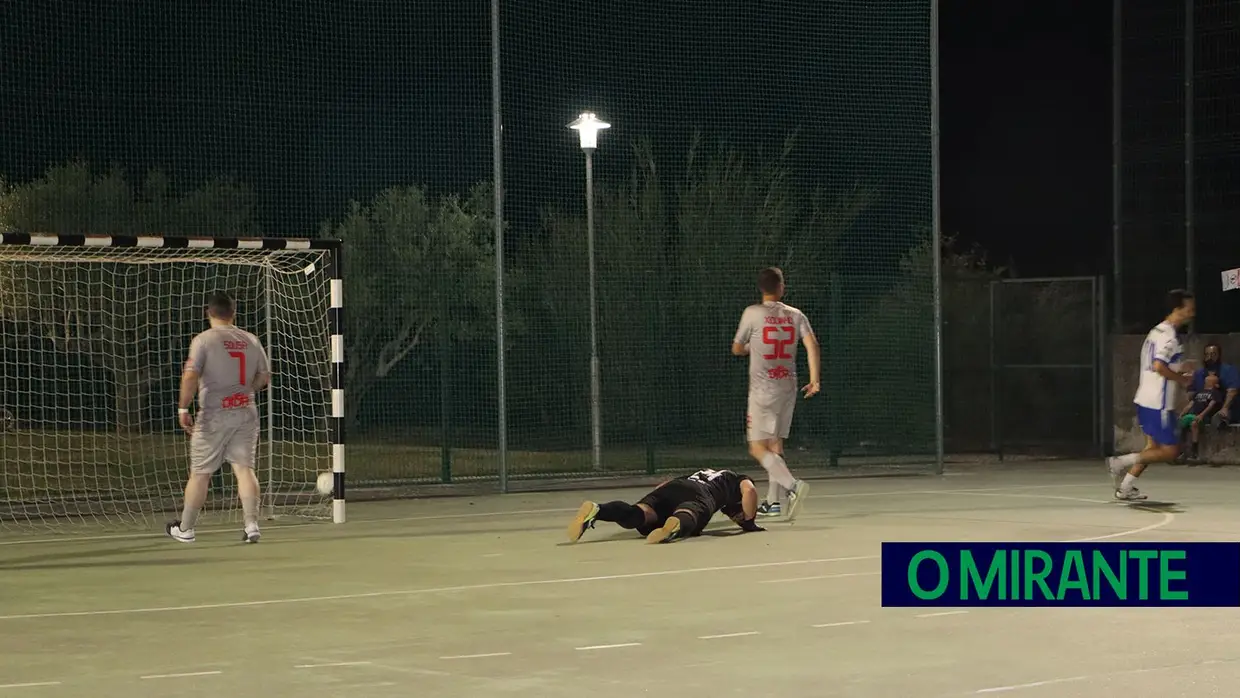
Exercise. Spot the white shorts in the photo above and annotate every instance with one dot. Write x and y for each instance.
(769, 417)
(223, 437)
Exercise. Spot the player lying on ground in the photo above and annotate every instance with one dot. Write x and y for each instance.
(768, 333)
(683, 505)
(226, 366)
(1161, 355)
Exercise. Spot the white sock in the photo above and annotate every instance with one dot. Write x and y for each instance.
(1128, 459)
(773, 492)
(1129, 481)
(778, 470)
(249, 506)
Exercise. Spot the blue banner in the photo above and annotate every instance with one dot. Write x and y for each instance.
(1061, 574)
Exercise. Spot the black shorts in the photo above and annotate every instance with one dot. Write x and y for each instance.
(679, 494)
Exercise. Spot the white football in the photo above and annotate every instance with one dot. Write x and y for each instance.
(325, 483)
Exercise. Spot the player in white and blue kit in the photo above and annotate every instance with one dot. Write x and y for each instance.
(1161, 355)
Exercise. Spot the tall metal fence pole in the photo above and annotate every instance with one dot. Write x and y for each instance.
(1190, 235)
(1096, 359)
(1117, 75)
(936, 261)
(996, 400)
(497, 155)
(596, 419)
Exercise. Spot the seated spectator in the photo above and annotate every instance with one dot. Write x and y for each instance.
(1199, 410)
(1228, 378)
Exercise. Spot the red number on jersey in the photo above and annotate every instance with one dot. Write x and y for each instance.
(240, 357)
(770, 337)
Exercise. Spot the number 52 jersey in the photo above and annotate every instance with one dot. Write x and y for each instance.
(772, 332)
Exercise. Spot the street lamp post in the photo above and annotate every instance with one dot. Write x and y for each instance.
(587, 127)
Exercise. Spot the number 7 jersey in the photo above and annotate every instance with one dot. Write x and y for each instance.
(226, 359)
(772, 331)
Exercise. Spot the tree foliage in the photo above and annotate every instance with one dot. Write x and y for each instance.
(678, 248)
(72, 199)
(90, 310)
(415, 265)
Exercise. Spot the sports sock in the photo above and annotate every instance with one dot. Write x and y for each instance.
(1129, 481)
(773, 492)
(189, 517)
(778, 470)
(622, 513)
(1127, 460)
(688, 522)
(249, 506)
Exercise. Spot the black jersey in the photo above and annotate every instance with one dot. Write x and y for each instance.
(723, 487)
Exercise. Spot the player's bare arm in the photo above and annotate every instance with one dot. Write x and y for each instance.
(261, 381)
(739, 349)
(189, 388)
(1165, 371)
(745, 518)
(814, 357)
(1209, 410)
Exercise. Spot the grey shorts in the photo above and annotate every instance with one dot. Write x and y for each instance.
(769, 417)
(224, 436)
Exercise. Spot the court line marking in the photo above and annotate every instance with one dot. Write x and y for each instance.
(186, 675)
(429, 590)
(1032, 684)
(727, 635)
(329, 664)
(940, 613)
(32, 684)
(839, 624)
(70, 538)
(1167, 516)
(478, 656)
(820, 576)
(1103, 675)
(607, 647)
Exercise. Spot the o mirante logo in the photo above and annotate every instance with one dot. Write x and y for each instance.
(1061, 574)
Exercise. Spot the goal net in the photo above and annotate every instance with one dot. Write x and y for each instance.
(95, 333)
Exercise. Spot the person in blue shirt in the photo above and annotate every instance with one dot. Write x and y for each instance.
(1228, 379)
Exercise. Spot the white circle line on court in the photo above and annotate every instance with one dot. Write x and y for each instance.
(70, 538)
(1167, 517)
(32, 684)
(429, 590)
(590, 648)
(484, 655)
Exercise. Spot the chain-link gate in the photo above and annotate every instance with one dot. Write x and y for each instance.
(1046, 366)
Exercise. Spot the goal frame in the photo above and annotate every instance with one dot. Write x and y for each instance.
(335, 311)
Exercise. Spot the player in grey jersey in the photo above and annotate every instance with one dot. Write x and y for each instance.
(226, 367)
(768, 334)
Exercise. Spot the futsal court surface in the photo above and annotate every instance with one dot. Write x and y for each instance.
(481, 596)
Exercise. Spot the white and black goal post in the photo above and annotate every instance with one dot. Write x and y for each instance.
(95, 330)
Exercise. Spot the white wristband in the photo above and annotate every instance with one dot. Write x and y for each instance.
(182, 410)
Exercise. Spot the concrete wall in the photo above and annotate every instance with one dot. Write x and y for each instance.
(1216, 448)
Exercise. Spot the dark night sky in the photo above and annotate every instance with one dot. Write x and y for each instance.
(1025, 97)
(1026, 131)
